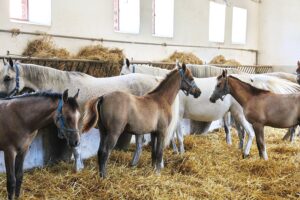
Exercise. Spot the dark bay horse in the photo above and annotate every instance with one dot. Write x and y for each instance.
(117, 112)
(261, 107)
(21, 117)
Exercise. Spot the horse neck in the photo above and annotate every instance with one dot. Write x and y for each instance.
(239, 90)
(40, 114)
(168, 88)
(44, 78)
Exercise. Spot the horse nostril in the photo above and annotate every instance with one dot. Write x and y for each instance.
(76, 142)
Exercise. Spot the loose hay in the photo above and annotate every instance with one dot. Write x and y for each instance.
(221, 60)
(210, 169)
(44, 47)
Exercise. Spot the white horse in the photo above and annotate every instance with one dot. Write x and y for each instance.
(201, 109)
(20, 76)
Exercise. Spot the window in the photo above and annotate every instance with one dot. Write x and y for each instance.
(216, 22)
(127, 16)
(163, 18)
(32, 11)
(239, 25)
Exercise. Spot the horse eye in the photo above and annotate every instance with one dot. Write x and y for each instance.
(218, 85)
(7, 78)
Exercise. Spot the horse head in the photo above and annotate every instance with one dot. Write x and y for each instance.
(11, 82)
(67, 119)
(221, 89)
(298, 73)
(188, 85)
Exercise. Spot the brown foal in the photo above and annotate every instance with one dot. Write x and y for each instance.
(21, 117)
(261, 107)
(117, 112)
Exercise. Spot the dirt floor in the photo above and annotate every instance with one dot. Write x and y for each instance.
(210, 169)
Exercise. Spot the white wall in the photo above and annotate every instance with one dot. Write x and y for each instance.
(95, 19)
(279, 34)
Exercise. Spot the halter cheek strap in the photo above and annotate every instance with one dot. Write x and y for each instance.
(133, 68)
(17, 87)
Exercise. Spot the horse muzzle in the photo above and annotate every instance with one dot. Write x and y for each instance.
(212, 100)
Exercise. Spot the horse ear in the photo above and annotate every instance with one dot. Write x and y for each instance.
(65, 95)
(127, 63)
(298, 63)
(76, 95)
(224, 73)
(183, 66)
(10, 61)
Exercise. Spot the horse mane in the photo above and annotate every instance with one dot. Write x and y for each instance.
(254, 90)
(52, 95)
(44, 73)
(163, 82)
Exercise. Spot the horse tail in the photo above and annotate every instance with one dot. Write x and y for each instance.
(91, 114)
(174, 122)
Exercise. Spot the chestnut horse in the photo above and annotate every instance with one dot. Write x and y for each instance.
(22, 116)
(117, 112)
(261, 107)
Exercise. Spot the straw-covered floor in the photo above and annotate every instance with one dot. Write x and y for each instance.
(208, 170)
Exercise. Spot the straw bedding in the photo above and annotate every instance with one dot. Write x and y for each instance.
(208, 170)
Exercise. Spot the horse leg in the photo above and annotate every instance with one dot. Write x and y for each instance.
(159, 152)
(108, 144)
(9, 157)
(153, 147)
(241, 134)
(289, 133)
(260, 140)
(240, 119)
(226, 121)
(78, 160)
(138, 149)
(19, 171)
(180, 139)
(173, 142)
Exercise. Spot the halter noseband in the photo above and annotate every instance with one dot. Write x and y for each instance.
(191, 85)
(61, 120)
(17, 87)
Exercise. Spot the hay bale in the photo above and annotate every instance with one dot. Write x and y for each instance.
(44, 47)
(113, 59)
(221, 60)
(186, 57)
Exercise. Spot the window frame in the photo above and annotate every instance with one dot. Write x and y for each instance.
(116, 18)
(232, 31)
(26, 7)
(209, 24)
(154, 20)
(27, 21)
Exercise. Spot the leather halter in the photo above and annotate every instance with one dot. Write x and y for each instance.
(61, 121)
(17, 87)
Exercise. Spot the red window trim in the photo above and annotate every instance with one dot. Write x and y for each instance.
(116, 15)
(25, 11)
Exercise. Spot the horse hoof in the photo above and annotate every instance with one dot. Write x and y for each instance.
(246, 156)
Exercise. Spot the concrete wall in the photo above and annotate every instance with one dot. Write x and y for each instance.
(279, 34)
(95, 19)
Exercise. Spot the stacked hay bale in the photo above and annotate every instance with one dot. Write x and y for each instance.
(221, 60)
